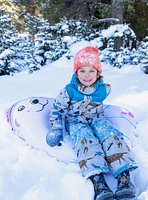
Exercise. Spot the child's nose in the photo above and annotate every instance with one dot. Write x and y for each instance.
(87, 74)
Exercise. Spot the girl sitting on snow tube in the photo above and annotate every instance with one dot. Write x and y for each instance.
(98, 145)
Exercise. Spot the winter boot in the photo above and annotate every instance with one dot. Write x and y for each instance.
(102, 191)
(125, 188)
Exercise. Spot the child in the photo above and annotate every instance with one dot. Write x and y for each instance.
(99, 146)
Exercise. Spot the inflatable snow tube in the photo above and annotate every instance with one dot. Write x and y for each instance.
(29, 120)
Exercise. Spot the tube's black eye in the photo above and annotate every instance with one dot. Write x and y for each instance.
(35, 101)
(20, 108)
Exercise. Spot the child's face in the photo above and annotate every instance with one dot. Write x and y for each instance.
(87, 75)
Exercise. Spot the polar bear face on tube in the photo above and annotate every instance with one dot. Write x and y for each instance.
(29, 118)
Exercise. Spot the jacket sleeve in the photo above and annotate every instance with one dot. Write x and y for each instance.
(55, 134)
(60, 105)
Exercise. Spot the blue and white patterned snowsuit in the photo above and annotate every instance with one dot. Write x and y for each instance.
(99, 146)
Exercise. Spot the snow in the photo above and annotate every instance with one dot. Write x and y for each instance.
(117, 30)
(6, 52)
(30, 174)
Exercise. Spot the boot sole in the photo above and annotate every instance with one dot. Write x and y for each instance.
(125, 195)
(124, 198)
(107, 196)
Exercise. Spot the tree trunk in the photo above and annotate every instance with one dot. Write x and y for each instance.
(117, 12)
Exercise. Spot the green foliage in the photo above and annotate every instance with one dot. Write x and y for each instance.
(136, 13)
(106, 8)
(51, 11)
(31, 23)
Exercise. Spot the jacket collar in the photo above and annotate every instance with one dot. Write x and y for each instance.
(75, 83)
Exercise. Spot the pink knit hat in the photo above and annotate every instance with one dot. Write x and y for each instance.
(88, 56)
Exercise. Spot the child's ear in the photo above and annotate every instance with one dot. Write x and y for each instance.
(77, 76)
(98, 75)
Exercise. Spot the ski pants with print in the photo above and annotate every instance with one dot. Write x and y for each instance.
(100, 147)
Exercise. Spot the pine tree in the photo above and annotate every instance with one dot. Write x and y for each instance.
(12, 48)
(143, 50)
(6, 45)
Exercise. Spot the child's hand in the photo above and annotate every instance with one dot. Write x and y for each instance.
(54, 137)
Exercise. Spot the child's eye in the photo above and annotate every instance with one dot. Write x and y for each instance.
(81, 70)
(92, 70)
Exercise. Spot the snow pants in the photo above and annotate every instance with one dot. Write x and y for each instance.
(100, 147)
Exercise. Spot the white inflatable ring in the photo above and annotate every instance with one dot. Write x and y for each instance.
(29, 119)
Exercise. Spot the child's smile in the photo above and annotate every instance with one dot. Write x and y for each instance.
(87, 75)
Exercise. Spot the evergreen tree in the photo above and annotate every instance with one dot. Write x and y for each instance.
(5, 52)
(12, 51)
(31, 24)
(143, 52)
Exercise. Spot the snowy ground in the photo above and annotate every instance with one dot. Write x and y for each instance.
(30, 174)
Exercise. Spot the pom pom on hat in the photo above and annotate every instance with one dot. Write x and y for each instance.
(88, 56)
